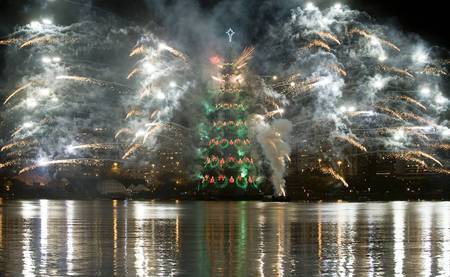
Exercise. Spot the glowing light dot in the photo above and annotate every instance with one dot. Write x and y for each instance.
(292, 84)
(440, 99)
(42, 161)
(446, 133)
(379, 84)
(31, 103)
(420, 57)
(56, 59)
(309, 6)
(70, 149)
(44, 91)
(47, 21)
(399, 135)
(338, 6)
(35, 25)
(160, 96)
(172, 84)
(343, 109)
(140, 133)
(374, 41)
(162, 46)
(275, 77)
(148, 67)
(28, 125)
(55, 99)
(382, 58)
(351, 109)
(425, 91)
(46, 59)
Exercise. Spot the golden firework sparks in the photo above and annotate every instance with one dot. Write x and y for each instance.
(8, 41)
(389, 112)
(423, 155)
(442, 146)
(78, 162)
(434, 71)
(217, 79)
(412, 116)
(395, 70)
(134, 112)
(273, 113)
(353, 142)
(291, 86)
(373, 37)
(173, 51)
(443, 171)
(36, 40)
(123, 130)
(131, 150)
(96, 146)
(412, 101)
(358, 113)
(133, 72)
(151, 130)
(74, 78)
(137, 51)
(408, 158)
(154, 113)
(20, 143)
(19, 89)
(330, 171)
(318, 43)
(328, 35)
(339, 69)
(9, 164)
(245, 56)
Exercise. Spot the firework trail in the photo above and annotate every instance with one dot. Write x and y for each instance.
(395, 70)
(413, 101)
(339, 77)
(38, 40)
(353, 142)
(386, 94)
(434, 71)
(121, 131)
(21, 88)
(329, 36)
(373, 38)
(54, 110)
(423, 155)
(243, 59)
(95, 146)
(131, 150)
(8, 41)
(160, 79)
(320, 44)
(334, 174)
(77, 162)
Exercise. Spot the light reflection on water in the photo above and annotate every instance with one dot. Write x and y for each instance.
(138, 238)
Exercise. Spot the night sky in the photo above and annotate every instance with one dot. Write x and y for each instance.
(252, 16)
(428, 18)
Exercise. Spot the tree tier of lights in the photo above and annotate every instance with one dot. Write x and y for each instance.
(228, 164)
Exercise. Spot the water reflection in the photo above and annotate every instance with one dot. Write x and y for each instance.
(398, 209)
(120, 238)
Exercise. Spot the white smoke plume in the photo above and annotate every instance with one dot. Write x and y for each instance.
(273, 138)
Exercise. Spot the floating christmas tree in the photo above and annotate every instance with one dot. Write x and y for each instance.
(228, 163)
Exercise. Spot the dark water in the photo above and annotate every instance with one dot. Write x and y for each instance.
(116, 238)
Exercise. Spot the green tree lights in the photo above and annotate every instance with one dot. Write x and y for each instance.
(226, 155)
